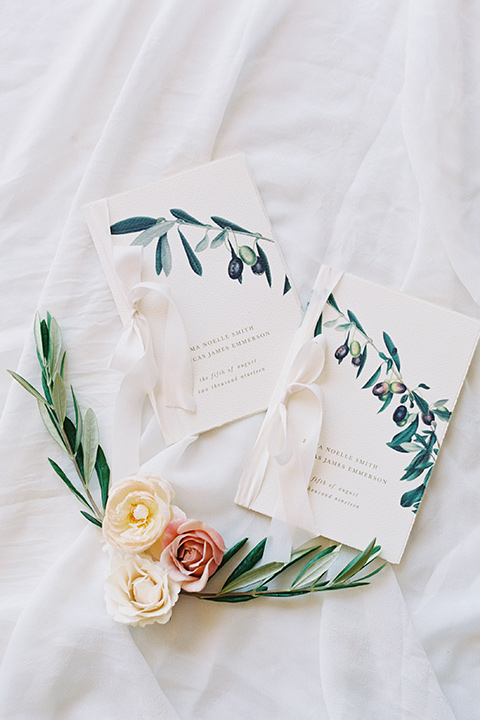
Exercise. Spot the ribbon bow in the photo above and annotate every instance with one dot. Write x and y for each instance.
(135, 357)
(282, 437)
(288, 438)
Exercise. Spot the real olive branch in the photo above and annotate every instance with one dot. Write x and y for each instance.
(79, 438)
(249, 580)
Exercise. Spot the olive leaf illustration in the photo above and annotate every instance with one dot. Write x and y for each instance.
(413, 412)
(223, 233)
(195, 263)
(163, 256)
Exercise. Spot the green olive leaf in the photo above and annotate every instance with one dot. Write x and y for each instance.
(358, 562)
(59, 397)
(26, 386)
(45, 339)
(103, 474)
(316, 567)
(90, 444)
(232, 551)
(37, 333)
(46, 416)
(253, 577)
(69, 484)
(92, 519)
(78, 421)
(253, 557)
(55, 347)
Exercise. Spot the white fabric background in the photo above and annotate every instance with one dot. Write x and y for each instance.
(360, 123)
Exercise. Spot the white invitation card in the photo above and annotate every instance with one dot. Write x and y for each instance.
(394, 366)
(202, 288)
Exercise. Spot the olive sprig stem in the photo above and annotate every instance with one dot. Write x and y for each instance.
(79, 439)
(243, 597)
(72, 457)
(249, 580)
(257, 236)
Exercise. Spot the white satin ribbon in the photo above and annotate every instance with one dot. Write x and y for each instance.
(135, 354)
(281, 447)
(171, 388)
(294, 457)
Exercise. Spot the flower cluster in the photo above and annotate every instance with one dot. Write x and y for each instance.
(156, 551)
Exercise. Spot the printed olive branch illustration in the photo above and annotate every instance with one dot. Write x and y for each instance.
(225, 234)
(387, 383)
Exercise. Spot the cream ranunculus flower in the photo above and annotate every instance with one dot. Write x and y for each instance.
(139, 592)
(137, 512)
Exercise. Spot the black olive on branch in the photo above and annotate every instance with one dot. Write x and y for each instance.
(380, 389)
(258, 268)
(235, 266)
(341, 352)
(400, 414)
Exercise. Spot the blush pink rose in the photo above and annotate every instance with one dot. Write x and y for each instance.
(192, 552)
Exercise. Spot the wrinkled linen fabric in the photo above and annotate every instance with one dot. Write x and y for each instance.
(360, 124)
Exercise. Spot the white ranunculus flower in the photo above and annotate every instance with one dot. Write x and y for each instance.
(137, 513)
(138, 591)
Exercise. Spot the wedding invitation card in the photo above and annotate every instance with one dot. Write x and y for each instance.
(201, 285)
(394, 366)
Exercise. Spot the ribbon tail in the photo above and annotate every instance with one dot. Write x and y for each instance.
(127, 429)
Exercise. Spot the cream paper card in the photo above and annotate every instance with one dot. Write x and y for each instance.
(394, 366)
(201, 241)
